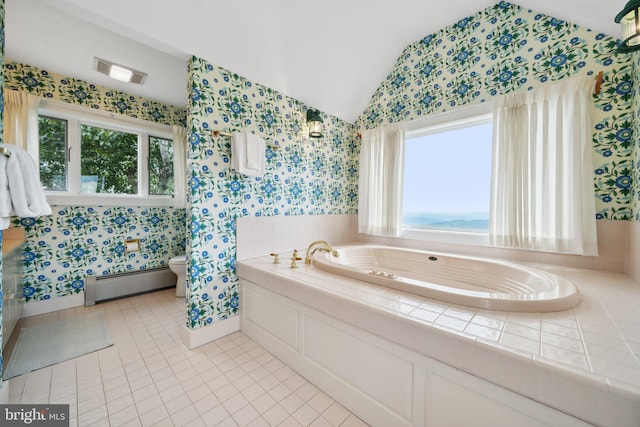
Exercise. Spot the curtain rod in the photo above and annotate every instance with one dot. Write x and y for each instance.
(598, 87)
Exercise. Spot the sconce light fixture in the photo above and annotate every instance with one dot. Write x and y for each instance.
(314, 121)
(629, 19)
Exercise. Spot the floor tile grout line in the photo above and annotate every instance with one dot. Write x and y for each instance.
(144, 328)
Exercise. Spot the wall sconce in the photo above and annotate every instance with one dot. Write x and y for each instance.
(629, 18)
(314, 121)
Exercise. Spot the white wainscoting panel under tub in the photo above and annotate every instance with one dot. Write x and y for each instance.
(383, 383)
(582, 361)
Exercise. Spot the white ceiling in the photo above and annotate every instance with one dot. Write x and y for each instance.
(329, 54)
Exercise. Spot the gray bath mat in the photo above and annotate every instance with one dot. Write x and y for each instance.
(50, 343)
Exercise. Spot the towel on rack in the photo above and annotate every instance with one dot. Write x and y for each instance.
(247, 154)
(21, 192)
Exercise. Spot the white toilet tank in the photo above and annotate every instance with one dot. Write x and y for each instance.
(178, 265)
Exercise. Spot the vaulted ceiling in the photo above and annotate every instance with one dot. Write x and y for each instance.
(329, 54)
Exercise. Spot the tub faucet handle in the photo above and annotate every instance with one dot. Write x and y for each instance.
(276, 258)
(295, 258)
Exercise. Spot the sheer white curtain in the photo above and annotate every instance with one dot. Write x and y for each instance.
(21, 121)
(380, 183)
(542, 195)
(180, 166)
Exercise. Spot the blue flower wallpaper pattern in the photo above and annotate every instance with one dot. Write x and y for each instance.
(505, 48)
(50, 85)
(636, 134)
(302, 176)
(495, 51)
(77, 241)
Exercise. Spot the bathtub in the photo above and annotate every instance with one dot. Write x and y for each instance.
(475, 282)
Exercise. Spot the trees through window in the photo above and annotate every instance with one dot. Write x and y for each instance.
(80, 155)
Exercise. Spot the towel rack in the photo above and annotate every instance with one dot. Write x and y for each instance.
(4, 151)
(217, 133)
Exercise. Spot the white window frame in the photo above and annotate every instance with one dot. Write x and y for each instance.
(76, 116)
(448, 121)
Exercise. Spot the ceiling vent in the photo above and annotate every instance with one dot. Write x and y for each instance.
(119, 72)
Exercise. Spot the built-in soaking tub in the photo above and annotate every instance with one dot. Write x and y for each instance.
(475, 282)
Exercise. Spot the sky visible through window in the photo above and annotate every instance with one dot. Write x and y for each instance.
(447, 179)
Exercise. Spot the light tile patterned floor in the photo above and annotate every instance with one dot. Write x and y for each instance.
(149, 378)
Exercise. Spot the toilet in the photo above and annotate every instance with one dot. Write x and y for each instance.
(178, 265)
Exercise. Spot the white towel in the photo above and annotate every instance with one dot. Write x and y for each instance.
(248, 154)
(21, 192)
(5, 197)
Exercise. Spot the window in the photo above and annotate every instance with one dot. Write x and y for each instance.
(108, 161)
(90, 158)
(53, 153)
(447, 177)
(160, 166)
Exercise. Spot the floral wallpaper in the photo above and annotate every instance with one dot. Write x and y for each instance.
(505, 48)
(302, 177)
(50, 85)
(77, 241)
(636, 144)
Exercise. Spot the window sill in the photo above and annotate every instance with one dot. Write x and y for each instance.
(475, 238)
(109, 200)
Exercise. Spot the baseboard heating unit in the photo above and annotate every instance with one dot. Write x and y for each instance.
(103, 288)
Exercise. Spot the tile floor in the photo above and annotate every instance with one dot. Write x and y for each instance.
(149, 378)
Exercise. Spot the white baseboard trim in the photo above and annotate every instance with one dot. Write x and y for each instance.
(48, 305)
(4, 393)
(193, 338)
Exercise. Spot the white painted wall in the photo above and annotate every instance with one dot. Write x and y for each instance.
(38, 34)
